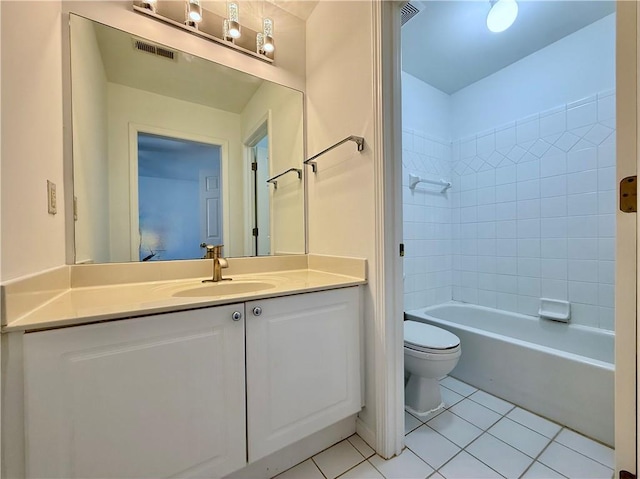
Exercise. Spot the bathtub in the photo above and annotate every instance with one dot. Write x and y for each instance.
(561, 371)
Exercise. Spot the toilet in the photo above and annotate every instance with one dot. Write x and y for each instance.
(430, 353)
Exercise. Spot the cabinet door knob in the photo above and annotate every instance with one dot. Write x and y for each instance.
(257, 311)
(236, 316)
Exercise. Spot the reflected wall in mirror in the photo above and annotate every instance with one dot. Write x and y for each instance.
(164, 148)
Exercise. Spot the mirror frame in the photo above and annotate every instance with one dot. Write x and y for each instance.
(120, 15)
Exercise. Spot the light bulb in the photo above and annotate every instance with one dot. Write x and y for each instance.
(268, 45)
(234, 29)
(502, 15)
(194, 11)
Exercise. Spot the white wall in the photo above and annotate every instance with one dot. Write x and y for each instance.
(129, 105)
(286, 148)
(572, 68)
(425, 108)
(341, 195)
(90, 156)
(32, 240)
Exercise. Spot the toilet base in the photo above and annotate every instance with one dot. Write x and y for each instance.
(423, 415)
(422, 395)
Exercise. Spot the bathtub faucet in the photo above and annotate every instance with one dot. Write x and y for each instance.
(214, 253)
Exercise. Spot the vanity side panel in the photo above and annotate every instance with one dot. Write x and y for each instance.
(12, 402)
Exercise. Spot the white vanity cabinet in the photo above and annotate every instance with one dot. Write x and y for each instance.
(165, 395)
(303, 366)
(155, 397)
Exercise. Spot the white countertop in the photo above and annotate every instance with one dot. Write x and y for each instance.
(83, 305)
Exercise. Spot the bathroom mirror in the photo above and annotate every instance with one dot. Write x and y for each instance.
(171, 151)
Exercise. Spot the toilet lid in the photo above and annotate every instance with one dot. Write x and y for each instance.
(428, 336)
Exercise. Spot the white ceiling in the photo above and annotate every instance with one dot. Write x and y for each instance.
(299, 8)
(448, 45)
(189, 78)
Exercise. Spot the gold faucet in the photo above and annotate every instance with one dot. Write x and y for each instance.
(214, 253)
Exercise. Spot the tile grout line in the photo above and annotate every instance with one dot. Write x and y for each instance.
(351, 468)
(582, 454)
(461, 448)
(318, 467)
(562, 426)
(405, 448)
(326, 449)
(464, 449)
(485, 431)
(542, 452)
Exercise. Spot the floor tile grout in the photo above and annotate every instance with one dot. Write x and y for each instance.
(461, 448)
(575, 450)
(352, 467)
(483, 432)
(486, 431)
(318, 467)
(542, 452)
(464, 449)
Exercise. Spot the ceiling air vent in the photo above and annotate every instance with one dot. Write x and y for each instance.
(410, 10)
(154, 49)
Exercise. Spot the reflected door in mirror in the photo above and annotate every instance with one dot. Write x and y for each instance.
(179, 197)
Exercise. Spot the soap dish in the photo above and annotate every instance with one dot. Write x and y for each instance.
(555, 310)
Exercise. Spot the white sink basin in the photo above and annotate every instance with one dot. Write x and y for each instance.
(223, 288)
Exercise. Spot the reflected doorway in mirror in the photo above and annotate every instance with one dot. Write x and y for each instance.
(179, 197)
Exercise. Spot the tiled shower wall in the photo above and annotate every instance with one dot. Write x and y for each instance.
(531, 214)
(427, 222)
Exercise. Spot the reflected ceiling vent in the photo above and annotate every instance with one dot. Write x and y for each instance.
(154, 49)
(410, 10)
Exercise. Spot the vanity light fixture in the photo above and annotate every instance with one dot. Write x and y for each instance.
(231, 27)
(193, 13)
(264, 39)
(501, 15)
(192, 20)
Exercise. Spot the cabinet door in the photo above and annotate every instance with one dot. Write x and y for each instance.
(155, 397)
(303, 366)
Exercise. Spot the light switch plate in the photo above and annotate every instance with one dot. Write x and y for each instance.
(51, 198)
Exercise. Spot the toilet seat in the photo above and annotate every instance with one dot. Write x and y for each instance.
(430, 339)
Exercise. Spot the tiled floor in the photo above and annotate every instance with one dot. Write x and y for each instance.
(476, 436)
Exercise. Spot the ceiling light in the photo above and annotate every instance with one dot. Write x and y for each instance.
(193, 12)
(502, 15)
(231, 25)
